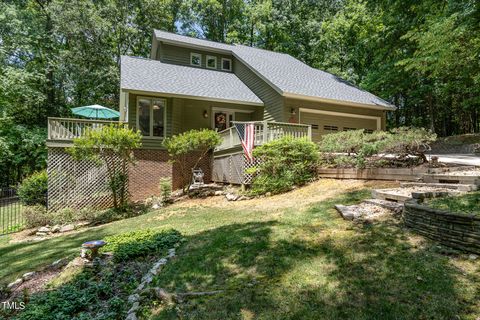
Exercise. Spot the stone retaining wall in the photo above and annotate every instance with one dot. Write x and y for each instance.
(459, 231)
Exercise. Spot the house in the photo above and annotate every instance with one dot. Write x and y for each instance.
(189, 83)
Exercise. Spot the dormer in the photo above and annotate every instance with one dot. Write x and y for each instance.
(193, 53)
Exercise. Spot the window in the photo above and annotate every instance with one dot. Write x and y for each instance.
(196, 59)
(330, 128)
(151, 116)
(368, 131)
(348, 129)
(314, 126)
(211, 62)
(226, 64)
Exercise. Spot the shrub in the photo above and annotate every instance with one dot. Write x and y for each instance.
(360, 147)
(113, 147)
(36, 216)
(181, 146)
(140, 243)
(165, 190)
(284, 163)
(33, 189)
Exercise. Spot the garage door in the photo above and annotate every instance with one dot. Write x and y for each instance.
(325, 123)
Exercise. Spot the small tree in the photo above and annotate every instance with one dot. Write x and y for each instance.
(112, 146)
(182, 146)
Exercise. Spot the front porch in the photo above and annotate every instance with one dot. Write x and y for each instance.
(229, 161)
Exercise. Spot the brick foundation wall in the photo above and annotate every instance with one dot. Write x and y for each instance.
(144, 176)
(152, 165)
(451, 229)
(205, 164)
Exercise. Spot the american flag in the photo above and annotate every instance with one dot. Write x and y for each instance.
(246, 132)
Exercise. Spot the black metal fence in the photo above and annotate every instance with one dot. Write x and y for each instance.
(11, 218)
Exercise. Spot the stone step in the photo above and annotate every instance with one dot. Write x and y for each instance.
(396, 207)
(451, 179)
(459, 187)
(389, 195)
(402, 195)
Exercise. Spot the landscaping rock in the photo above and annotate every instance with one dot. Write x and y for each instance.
(162, 295)
(29, 275)
(68, 227)
(171, 253)
(231, 197)
(347, 212)
(156, 206)
(41, 234)
(44, 229)
(131, 316)
(243, 198)
(59, 263)
(134, 298)
(82, 224)
(14, 284)
(147, 278)
(134, 307)
(56, 228)
(218, 193)
(473, 257)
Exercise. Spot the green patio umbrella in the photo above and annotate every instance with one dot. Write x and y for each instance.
(96, 112)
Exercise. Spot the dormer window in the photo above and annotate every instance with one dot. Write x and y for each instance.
(211, 62)
(196, 59)
(226, 64)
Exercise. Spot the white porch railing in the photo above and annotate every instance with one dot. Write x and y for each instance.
(265, 131)
(69, 128)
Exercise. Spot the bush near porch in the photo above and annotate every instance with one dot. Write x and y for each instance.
(284, 163)
(400, 147)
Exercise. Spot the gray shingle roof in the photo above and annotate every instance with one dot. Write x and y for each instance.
(154, 76)
(287, 74)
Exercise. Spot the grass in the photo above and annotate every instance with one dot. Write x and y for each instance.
(294, 262)
(468, 203)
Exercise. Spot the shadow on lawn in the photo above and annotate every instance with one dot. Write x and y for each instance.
(371, 272)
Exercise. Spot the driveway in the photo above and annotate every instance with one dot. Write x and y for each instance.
(457, 158)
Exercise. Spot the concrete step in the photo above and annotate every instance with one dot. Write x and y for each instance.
(459, 187)
(451, 179)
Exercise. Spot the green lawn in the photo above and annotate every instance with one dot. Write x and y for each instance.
(468, 203)
(296, 262)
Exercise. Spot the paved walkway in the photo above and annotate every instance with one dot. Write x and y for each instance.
(466, 159)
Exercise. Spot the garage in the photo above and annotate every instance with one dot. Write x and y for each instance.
(324, 122)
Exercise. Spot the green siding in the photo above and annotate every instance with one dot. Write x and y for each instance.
(181, 56)
(187, 114)
(273, 101)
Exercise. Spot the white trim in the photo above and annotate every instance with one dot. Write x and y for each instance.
(211, 57)
(232, 110)
(340, 114)
(195, 54)
(340, 102)
(186, 96)
(150, 128)
(226, 59)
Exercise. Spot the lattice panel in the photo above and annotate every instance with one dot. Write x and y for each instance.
(231, 169)
(247, 179)
(76, 184)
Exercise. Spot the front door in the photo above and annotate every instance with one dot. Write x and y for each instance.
(222, 119)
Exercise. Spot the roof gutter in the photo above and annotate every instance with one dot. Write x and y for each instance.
(185, 96)
(389, 107)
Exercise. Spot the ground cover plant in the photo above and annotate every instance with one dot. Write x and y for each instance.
(468, 203)
(289, 256)
(84, 292)
(399, 147)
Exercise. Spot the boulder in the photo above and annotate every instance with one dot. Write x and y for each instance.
(68, 227)
(43, 229)
(134, 298)
(29, 275)
(218, 193)
(56, 228)
(41, 234)
(231, 197)
(15, 284)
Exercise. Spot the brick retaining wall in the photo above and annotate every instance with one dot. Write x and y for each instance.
(454, 230)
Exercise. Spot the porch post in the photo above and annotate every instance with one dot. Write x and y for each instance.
(265, 132)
